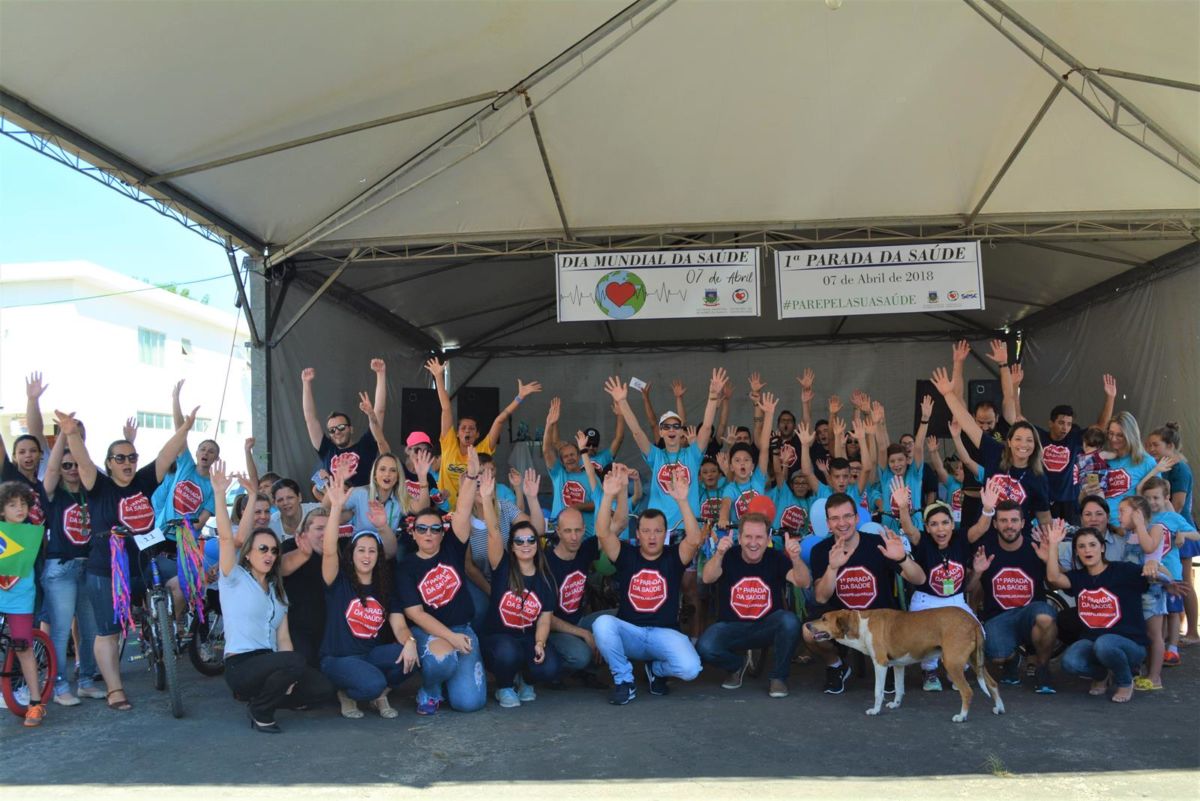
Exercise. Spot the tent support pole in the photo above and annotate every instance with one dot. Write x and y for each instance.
(1174, 151)
(1137, 76)
(1015, 151)
(308, 304)
(243, 300)
(321, 137)
(537, 134)
(499, 329)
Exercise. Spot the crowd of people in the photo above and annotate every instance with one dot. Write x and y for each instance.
(428, 564)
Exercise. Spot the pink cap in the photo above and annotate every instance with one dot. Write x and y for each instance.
(417, 438)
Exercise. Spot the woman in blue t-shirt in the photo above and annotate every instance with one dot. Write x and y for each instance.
(1128, 463)
(358, 601)
(1108, 596)
(520, 608)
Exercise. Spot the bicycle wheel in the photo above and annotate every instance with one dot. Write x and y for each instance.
(214, 637)
(13, 679)
(168, 653)
(148, 641)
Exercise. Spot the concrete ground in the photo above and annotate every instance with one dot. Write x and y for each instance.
(700, 741)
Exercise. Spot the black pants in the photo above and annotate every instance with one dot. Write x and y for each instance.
(307, 643)
(262, 678)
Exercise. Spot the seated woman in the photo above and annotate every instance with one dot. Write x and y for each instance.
(1109, 599)
(521, 606)
(260, 665)
(358, 599)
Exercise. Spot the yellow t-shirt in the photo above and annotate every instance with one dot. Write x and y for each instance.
(454, 464)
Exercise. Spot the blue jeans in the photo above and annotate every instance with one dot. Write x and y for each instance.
(572, 651)
(366, 677)
(461, 674)
(66, 598)
(507, 655)
(725, 644)
(669, 652)
(1012, 627)
(1094, 658)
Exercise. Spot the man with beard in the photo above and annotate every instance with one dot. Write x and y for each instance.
(335, 443)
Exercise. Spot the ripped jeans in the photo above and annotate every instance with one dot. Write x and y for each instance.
(461, 674)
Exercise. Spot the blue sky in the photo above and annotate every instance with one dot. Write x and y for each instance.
(49, 212)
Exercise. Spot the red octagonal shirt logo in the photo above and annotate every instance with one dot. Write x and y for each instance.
(1056, 457)
(365, 618)
(439, 586)
(1118, 484)
(1098, 609)
(349, 458)
(787, 455)
(570, 592)
(856, 587)
(573, 493)
(750, 598)
(947, 571)
(519, 611)
(795, 518)
(188, 497)
(647, 591)
(1009, 488)
(8, 582)
(667, 470)
(75, 525)
(37, 515)
(136, 513)
(1012, 588)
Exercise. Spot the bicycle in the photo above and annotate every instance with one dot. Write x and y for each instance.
(11, 677)
(206, 644)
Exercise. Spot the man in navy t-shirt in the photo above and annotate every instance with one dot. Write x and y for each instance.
(335, 443)
(646, 626)
(853, 570)
(751, 582)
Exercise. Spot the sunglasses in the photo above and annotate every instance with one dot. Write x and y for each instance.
(69, 465)
(272, 549)
(337, 429)
(429, 528)
(122, 458)
(530, 540)
(671, 426)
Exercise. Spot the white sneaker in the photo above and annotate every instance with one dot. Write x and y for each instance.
(90, 691)
(66, 699)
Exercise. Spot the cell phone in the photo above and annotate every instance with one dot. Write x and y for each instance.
(637, 383)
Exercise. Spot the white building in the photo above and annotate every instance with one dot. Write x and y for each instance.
(111, 347)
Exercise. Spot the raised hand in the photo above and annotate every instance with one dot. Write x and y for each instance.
(839, 555)
(999, 352)
(366, 406)
(219, 478)
(378, 366)
(1056, 532)
(926, 407)
(580, 441)
(807, 435)
(1110, 386)
(793, 549)
(1167, 462)
(248, 445)
(679, 486)
(190, 419)
(716, 384)
(616, 480)
(555, 410)
(617, 390)
(34, 387)
(823, 466)
(893, 546)
(677, 388)
(436, 368)
(177, 388)
(727, 392)
(130, 429)
(861, 401)
(962, 349)
(1018, 374)
(725, 542)
(335, 489)
(531, 482)
(931, 444)
(487, 485)
(723, 462)
(835, 405)
(756, 383)
(525, 390)
(377, 514)
(806, 381)
(941, 381)
(730, 433)
(768, 403)
(901, 495)
(307, 375)
(691, 433)
(837, 427)
(878, 413)
(514, 480)
(982, 561)
(422, 462)
(989, 494)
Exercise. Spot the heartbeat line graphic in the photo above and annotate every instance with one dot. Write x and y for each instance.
(664, 294)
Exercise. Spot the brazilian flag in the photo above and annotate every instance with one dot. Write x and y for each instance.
(19, 545)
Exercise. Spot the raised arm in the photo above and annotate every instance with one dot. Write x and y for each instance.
(935, 459)
(716, 388)
(550, 437)
(614, 485)
(807, 438)
(864, 432)
(251, 466)
(962, 349)
(679, 389)
(618, 431)
(461, 520)
(902, 498)
(312, 422)
(1110, 400)
(806, 395)
(228, 550)
(648, 409)
(918, 455)
(1054, 536)
(970, 466)
(837, 437)
(34, 387)
(882, 437)
(988, 497)
(999, 356)
(756, 388)
(68, 428)
(336, 492)
(437, 369)
(958, 409)
(379, 367)
(530, 484)
(714, 567)
(893, 548)
(495, 542)
(173, 447)
(54, 465)
(523, 391)
(176, 408)
(693, 534)
(619, 392)
(374, 422)
(767, 405)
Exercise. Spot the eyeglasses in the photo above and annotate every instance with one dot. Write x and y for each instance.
(420, 449)
(338, 428)
(530, 540)
(671, 426)
(69, 465)
(429, 528)
(122, 458)
(272, 549)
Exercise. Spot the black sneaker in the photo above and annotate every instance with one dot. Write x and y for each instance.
(658, 684)
(1012, 671)
(622, 694)
(835, 678)
(1043, 684)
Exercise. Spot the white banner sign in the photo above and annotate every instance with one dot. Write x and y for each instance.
(657, 284)
(947, 276)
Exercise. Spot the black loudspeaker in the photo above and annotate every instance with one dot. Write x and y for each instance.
(481, 404)
(419, 411)
(939, 421)
(985, 389)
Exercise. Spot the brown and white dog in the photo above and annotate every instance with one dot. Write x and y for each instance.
(891, 638)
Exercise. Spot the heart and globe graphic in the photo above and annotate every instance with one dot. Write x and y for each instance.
(620, 294)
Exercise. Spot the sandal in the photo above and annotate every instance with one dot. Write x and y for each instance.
(124, 705)
(349, 706)
(384, 708)
(1122, 699)
(1098, 687)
